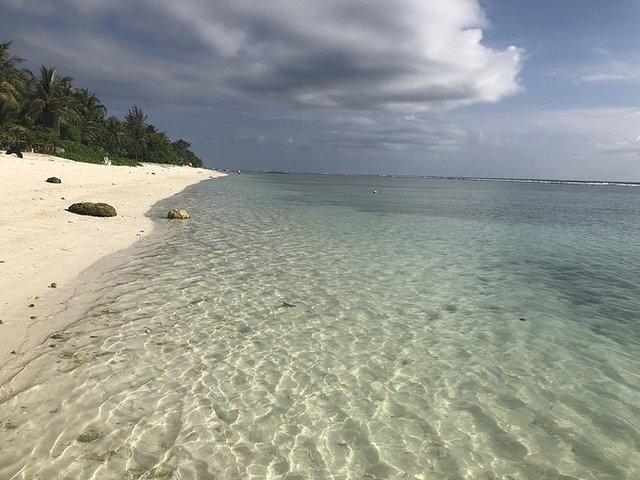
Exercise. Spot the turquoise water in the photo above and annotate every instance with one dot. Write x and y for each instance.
(441, 330)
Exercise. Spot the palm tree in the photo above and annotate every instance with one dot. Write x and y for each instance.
(52, 102)
(136, 127)
(181, 144)
(135, 119)
(13, 80)
(114, 133)
(90, 115)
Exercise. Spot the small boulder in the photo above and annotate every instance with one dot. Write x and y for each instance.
(88, 436)
(175, 213)
(93, 209)
(9, 425)
(162, 471)
(53, 180)
(59, 151)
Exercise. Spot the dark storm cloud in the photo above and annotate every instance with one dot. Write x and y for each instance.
(357, 54)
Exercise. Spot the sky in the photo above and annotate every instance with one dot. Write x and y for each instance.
(494, 88)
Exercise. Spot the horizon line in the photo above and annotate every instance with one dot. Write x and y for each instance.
(453, 177)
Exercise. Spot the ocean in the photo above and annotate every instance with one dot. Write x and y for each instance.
(304, 327)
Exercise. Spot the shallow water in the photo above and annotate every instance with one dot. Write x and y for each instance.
(441, 330)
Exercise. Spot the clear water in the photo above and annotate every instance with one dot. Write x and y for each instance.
(405, 355)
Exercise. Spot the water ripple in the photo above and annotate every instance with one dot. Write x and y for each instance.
(404, 356)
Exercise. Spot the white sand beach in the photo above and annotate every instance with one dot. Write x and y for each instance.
(42, 243)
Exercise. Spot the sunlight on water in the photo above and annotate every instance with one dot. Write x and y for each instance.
(440, 330)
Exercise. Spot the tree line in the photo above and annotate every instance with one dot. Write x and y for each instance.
(46, 112)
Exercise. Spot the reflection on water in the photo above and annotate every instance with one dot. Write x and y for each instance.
(441, 330)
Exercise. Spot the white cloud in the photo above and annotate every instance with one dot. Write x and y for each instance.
(414, 55)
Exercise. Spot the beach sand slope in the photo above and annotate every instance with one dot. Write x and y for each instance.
(41, 243)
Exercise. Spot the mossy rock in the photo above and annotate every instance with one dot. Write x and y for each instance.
(176, 213)
(93, 209)
(88, 436)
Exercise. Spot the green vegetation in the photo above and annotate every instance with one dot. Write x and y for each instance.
(44, 111)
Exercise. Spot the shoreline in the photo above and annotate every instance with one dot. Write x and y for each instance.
(67, 310)
(42, 243)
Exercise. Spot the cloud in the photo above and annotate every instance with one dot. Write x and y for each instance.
(409, 55)
(390, 132)
(608, 77)
(623, 146)
(596, 143)
(586, 132)
(351, 132)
